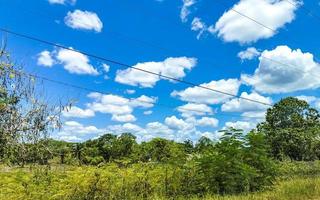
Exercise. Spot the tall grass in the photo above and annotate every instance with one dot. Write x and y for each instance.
(135, 182)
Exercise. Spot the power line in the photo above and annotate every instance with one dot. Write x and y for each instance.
(296, 68)
(129, 99)
(129, 66)
(306, 9)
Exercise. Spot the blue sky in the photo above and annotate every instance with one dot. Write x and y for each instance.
(200, 41)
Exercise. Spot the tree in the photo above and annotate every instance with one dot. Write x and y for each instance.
(292, 128)
(25, 118)
(106, 146)
(232, 167)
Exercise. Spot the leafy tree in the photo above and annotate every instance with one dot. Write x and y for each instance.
(231, 167)
(292, 129)
(25, 118)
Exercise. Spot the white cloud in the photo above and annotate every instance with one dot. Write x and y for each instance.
(84, 20)
(283, 70)
(75, 63)
(185, 10)
(124, 118)
(311, 100)
(201, 95)
(198, 25)
(119, 107)
(148, 112)
(125, 128)
(72, 2)
(246, 126)
(308, 99)
(75, 131)
(76, 112)
(192, 109)
(130, 91)
(45, 59)
(248, 54)
(172, 67)
(207, 121)
(274, 14)
(242, 105)
(143, 101)
(175, 123)
(106, 68)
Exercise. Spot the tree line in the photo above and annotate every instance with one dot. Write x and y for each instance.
(238, 162)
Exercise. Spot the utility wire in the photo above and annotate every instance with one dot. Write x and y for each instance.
(297, 68)
(35, 76)
(306, 9)
(129, 66)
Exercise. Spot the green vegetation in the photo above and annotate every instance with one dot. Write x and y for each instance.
(139, 181)
(277, 160)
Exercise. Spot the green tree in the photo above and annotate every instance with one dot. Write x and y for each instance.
(292, 129)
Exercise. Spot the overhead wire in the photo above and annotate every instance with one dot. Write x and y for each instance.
(35, 76)
(129, 66)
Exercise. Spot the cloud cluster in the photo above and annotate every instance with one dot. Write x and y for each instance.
(119, 107)
(73, 131)
(83, 20)
(283, 70)
(76, 112)
(73, 62)
(232, 27)
(171, 67)
(205, 96)
(173, 128)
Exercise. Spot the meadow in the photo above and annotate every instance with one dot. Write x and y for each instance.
(298, 181)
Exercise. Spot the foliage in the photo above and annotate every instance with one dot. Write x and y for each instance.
(25, 119)
(292, 129)
(139, 181)
(237, 164)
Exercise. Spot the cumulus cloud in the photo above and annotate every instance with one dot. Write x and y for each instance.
(72, 2)
(204, 96)
(193, 109)
(242, 105)
(83, 20)
(45, 59)
(232, 27)
(72, 61)
(171, 67)
(175, 123)
(185, 10)
(119, 107)
(284, 70)
(76, 112)
(73, 131)
(124, 118)
(248, 54)
(75, 63)
(246, 126)
(208, 121)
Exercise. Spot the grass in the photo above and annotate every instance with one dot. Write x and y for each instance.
(294, 189)
(81, 183)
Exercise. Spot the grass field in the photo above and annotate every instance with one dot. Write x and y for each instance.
(110, 182)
